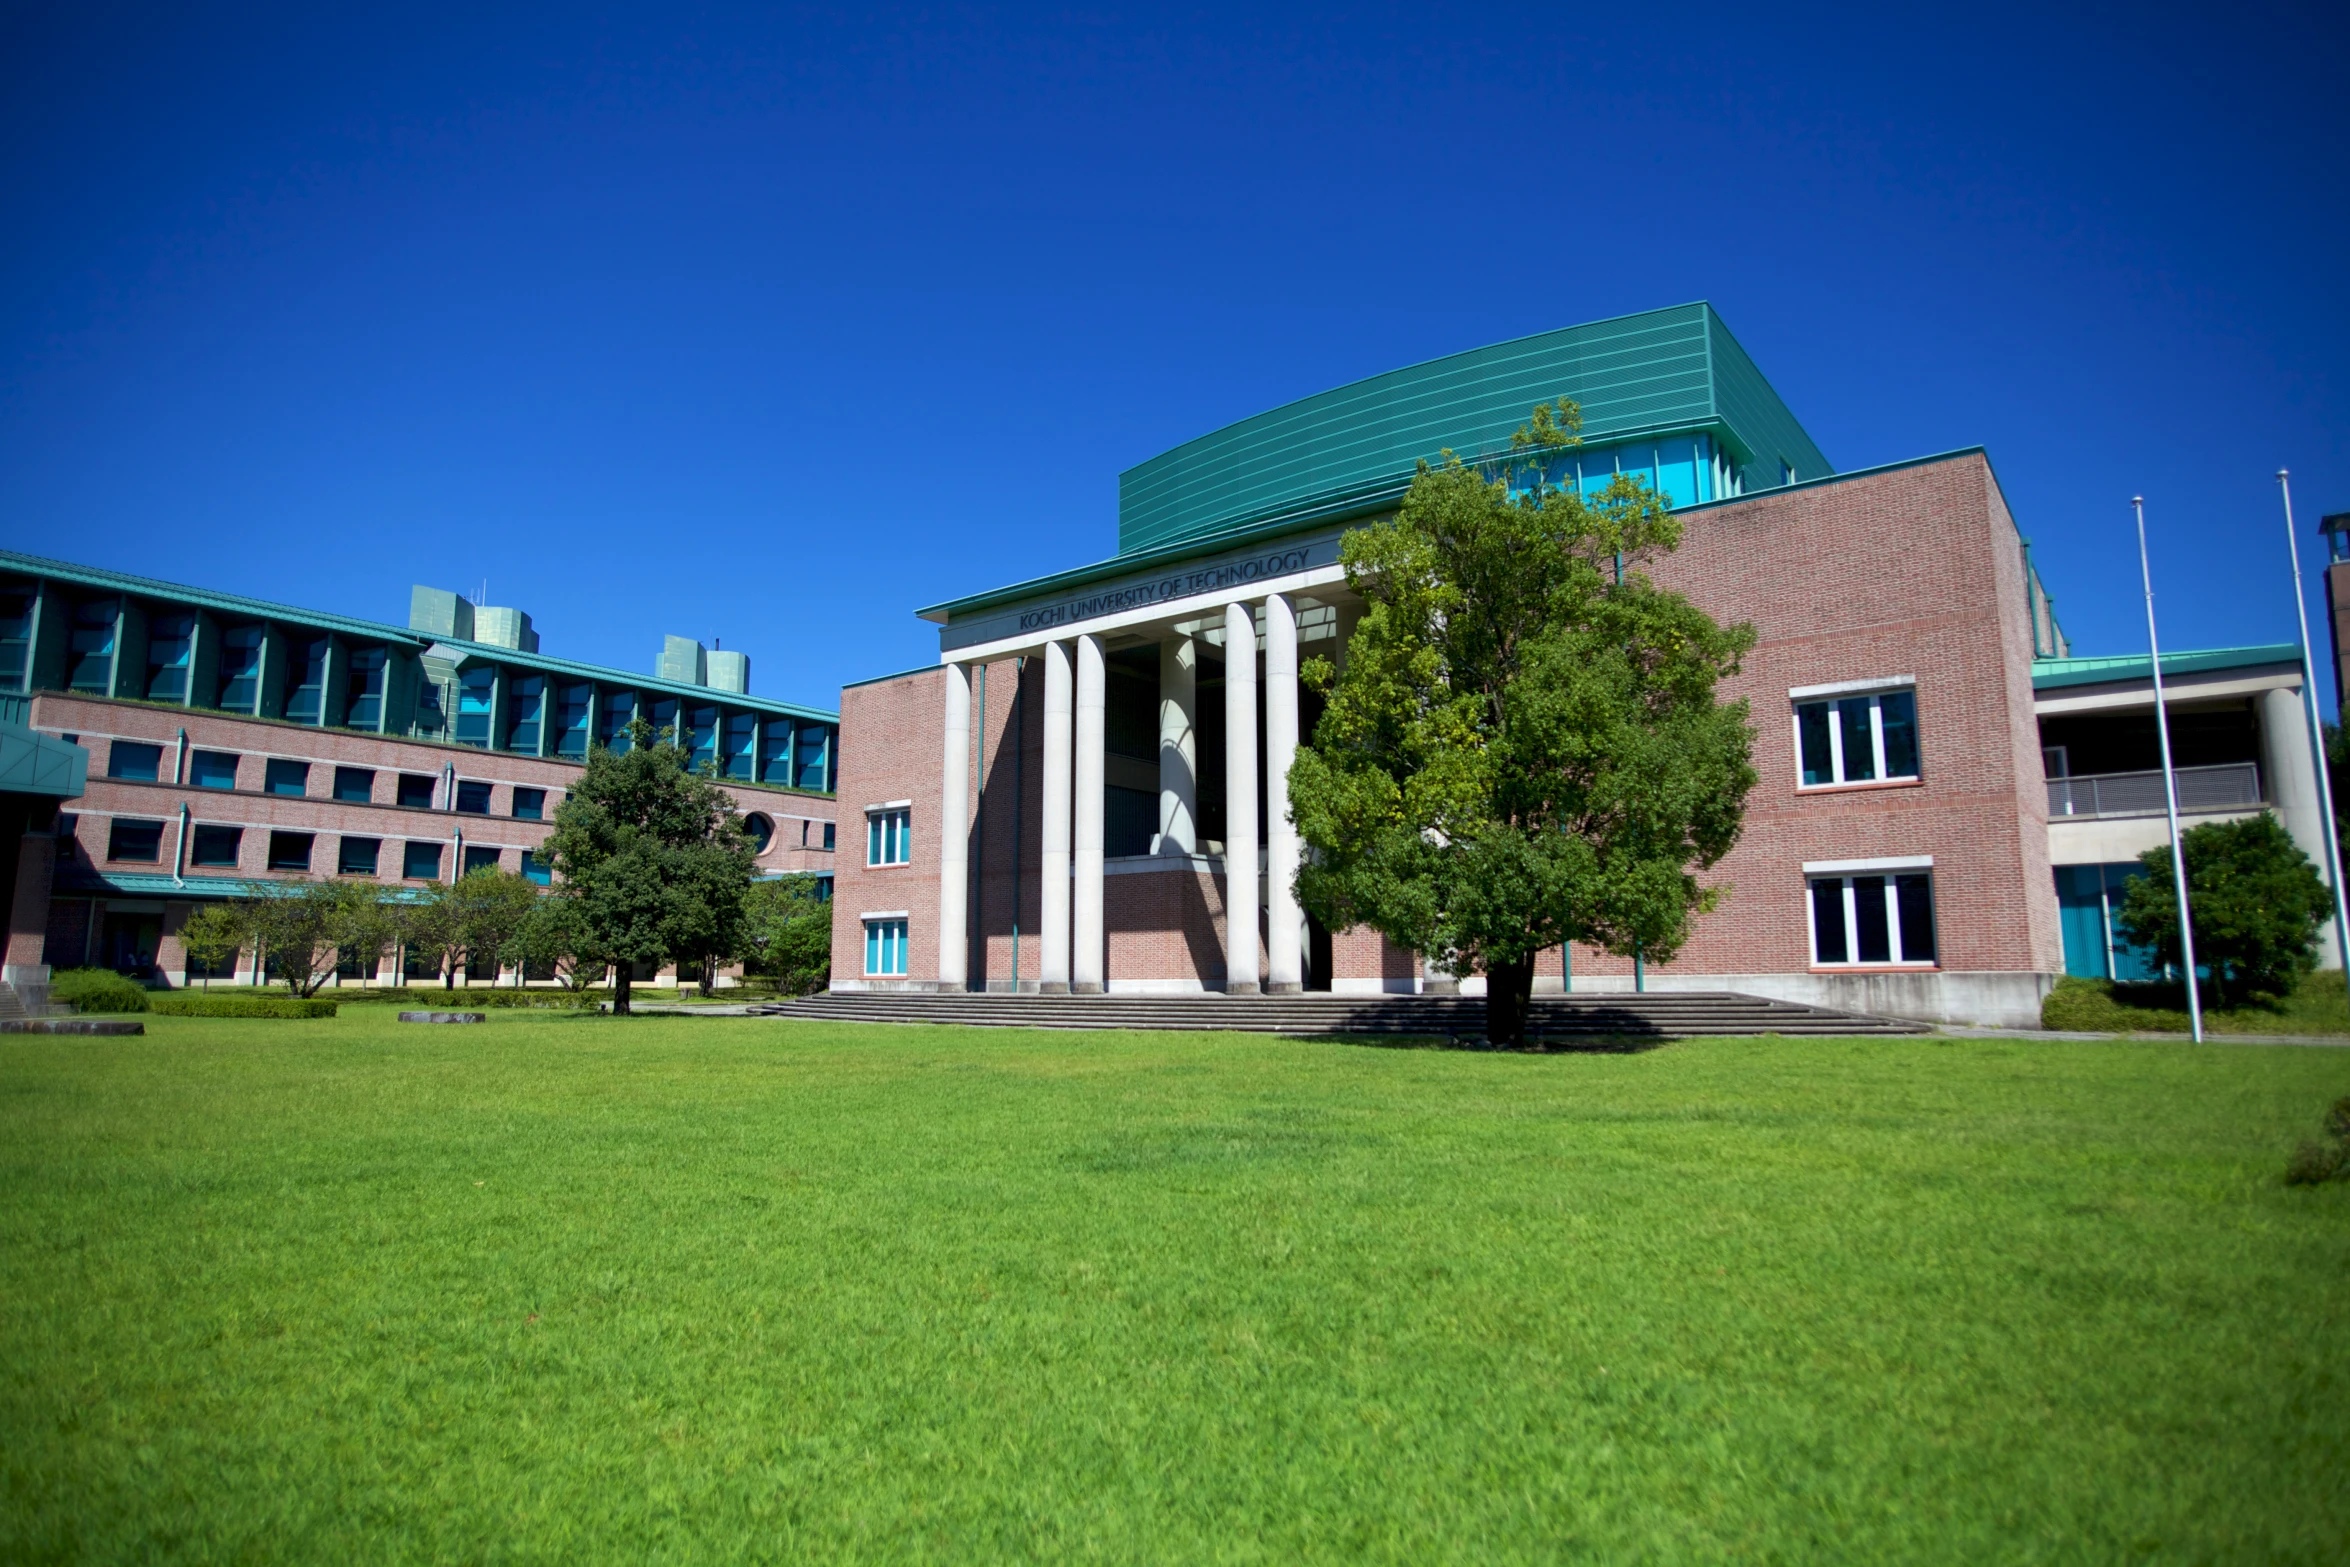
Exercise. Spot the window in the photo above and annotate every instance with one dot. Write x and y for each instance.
(762, 830)
(420, 861)
(1858, 739)
(134, 840)
(16, 637)
(530, 805)
(480, 860)
(1881, 918)
(416, 790)
(524, 696)
(828, 835)
(735, 748)
(662, 712)
(171, 640)
(885, 946)
(775, 751)
(889, 837)
(363, 702)
(289, 851)
(473, 797)
(537, 871)
(431, 716)
(306, 680)
(701, 737)
(240, 668)
(91, 666)
(572, 706)
(358, 856)
(2056, 761)
(130, 759)
(212, 769)
(477, 691)
(612, 724)
(354, 785)
(812, 761)
(287, 776)
(215, 846)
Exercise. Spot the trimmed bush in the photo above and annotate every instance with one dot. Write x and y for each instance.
(197, 1004)
(98, 990)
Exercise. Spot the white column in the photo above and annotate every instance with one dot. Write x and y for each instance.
(1178, 746)
(1087, 957)
(954, 833)
(2292, 789)
(1053, 879)
(1240, 801)
(1285, 924)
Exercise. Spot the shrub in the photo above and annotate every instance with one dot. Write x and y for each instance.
(2313, 1163)
(433, 998)
(2258, 906)
(197, 1004)
(2098, 1006)
(98, 990)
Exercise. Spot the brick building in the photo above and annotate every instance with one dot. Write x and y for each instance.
(229, 743)
(1076, 796)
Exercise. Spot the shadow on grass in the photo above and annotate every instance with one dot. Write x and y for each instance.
(1560, 1045)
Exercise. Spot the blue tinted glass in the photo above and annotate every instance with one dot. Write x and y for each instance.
(363, 705)
(529, 804)
(476, 692)
(212, 770)
(355, 785)
(1819, 763)
(421, 861)
(306, 688)
(240, 668)
(129, 840)
(357, 856)
(535, 869)
(1638, 462)
(129, 759)
(214, 846)
(1898, 710)
(701, 737)
(1827, 922)
(1860, 746)
(480, 860)
(524, 694)
(775, 752)
(1676, 473)
(619, 709)
(1599, 470)
(813, 769)
(473, 798)
(737, 746)
(1914, 895)
(285, 776)
(170, 640)
(661, 712)
(289, 851)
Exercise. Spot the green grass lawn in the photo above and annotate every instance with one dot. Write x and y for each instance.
(563, 1288)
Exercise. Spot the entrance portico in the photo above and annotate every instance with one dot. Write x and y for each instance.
(1242, 619)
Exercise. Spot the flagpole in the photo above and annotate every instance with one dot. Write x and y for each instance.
(2170, 783)
(2317, 732)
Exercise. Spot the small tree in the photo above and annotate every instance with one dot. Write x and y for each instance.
(431, 926)
(213, 935)
(555, 938)
(2258, 905)
(654, 856)
(1524, 747)
(302, 929)
(787, 930)
(489, 908)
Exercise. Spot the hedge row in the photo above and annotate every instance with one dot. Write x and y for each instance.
(436, 998)
(185, 1004)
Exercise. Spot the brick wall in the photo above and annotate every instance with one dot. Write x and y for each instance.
(892, 740)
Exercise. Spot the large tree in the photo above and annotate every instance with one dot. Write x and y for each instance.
(1524, 747)
(655, 857)
(787, 933)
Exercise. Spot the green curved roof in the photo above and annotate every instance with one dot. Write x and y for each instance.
(1659, 372)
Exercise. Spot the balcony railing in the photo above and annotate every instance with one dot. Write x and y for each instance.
(2231, 786)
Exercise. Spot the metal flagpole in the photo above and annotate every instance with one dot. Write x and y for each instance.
(2170, 783)
(2317, 733)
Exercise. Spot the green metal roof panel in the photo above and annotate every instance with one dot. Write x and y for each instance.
(1655, 371)
(2049, 674)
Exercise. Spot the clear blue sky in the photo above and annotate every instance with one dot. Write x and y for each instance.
(773, 328)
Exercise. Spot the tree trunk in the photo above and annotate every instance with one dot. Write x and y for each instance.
(620, 977)
(1509, 990)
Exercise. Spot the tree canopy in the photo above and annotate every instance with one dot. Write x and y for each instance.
(2258, 903)
(653, 856)
(1524, 746)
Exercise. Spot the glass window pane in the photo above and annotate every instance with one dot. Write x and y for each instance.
(1899, 711)
(416, 790)
(1860, 748)
(289, 851)
(357, 856)
(814, 773)
(524, 693)
(130, 759)
(530, 805)
(1873, 935)
(170, 641)
(1819, 762)
(16, 636)
(480, 859)
(775, 752)
(1598, 470)
(133, 840)
(476, 693)
(240, 668)
(613, 722)
(364, 703)
(355, 785)
(536, 870)
(1827, 922)
(572, 705)
(662, 711)
(701, 731)
(91, 666)
(287, 776)
(214, 846)
(473, 798)
(873, 840)
(1915, 896)
(1676, 470)
(305, 679)
(737, 749)
(421, 861)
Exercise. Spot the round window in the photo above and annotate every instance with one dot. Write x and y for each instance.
(762, 830)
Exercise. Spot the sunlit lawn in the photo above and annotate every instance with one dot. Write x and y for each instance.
(566, 1288)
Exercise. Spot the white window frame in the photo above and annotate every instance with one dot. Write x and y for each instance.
(889, 827)
(1846, 872)
(885, 925)
(1800, 697)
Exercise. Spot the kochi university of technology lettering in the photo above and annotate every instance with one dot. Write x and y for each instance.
(1167, 589)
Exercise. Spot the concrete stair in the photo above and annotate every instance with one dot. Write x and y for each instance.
(11, 1005)
(1655, 1015)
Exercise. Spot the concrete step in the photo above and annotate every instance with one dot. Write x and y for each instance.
(1660, 1015)
(11, 1004)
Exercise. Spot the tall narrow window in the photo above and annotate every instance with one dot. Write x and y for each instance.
(364, 706)
(477, 691)
(306, 680)
(1858, 739)
(572, 706)
(814, 772)
(92, 664)
(612, 725)
(240, 669)
(735, 747)
(775, 752)
(1885, 918)
(661, 711)
(524, 694)
(171, 644)
(885, 947)
(701, 737)
(16, 636)
(889, 837)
